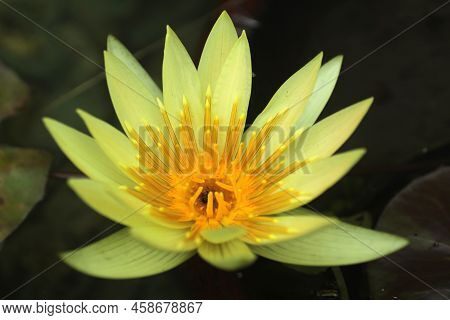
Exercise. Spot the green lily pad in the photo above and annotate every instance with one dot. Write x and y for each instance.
(23, 175)
(421, 213)
(13, 92)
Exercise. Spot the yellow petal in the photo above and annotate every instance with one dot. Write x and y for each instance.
(223, 234)
(164, 238)
(281, 228)
(292, 96)
(118, 205)
(120, 256)
(334, 245)
(326, 80)
(314, 179)
(113, 143)
(108, 201)
(217, 47)
(85, 153)
(134, 104)
(121, 52)
(324, 138)
(233, 87)
(180, 78)
(227, 256)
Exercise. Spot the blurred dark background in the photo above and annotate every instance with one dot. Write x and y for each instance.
(406, 131)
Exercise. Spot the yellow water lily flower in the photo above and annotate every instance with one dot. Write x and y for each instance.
(184, 178)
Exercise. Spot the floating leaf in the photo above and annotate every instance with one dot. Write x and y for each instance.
(23, 174)
(13, 92)
(420, 212)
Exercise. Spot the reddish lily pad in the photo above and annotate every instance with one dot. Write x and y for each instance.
(23, 175)
(420, 212)
(13, 92)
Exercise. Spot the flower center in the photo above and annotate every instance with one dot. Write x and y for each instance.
(192, 183)
(210, 198)
(203, 198)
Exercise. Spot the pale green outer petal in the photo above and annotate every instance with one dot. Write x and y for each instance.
(296, 226)
(326, 80)
(180, 78)
(217, 47)
(293, 95)
(317, 177)
(85, 153)
(120, 256)
(335, 245)
(120, 206)
(228, 256)
(120, 51)
(108, 201)
(324, 138)
(134, 104)
(164, 238)
(233, 86)
(113, 143)
(223, 234)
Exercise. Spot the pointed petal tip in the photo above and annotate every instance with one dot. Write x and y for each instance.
(48, 121)
(83, 114)
(339, 58)
(51, 125)
(67, 258)
(171, 37)
(72, 182)
(365, 104)
(352, 156)
(224, 13)
(63, 255)
(362, 105)
(403, 242)
(314, 63)
(335, 62)
(169, 31)
(110, 39)
(318, 58)
(357, 153)
(225, 18)
(360, 152)
(169, 34)
(242, 40)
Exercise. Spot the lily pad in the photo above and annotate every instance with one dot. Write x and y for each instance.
(23, 175)
(420, 212)
(13, 92)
